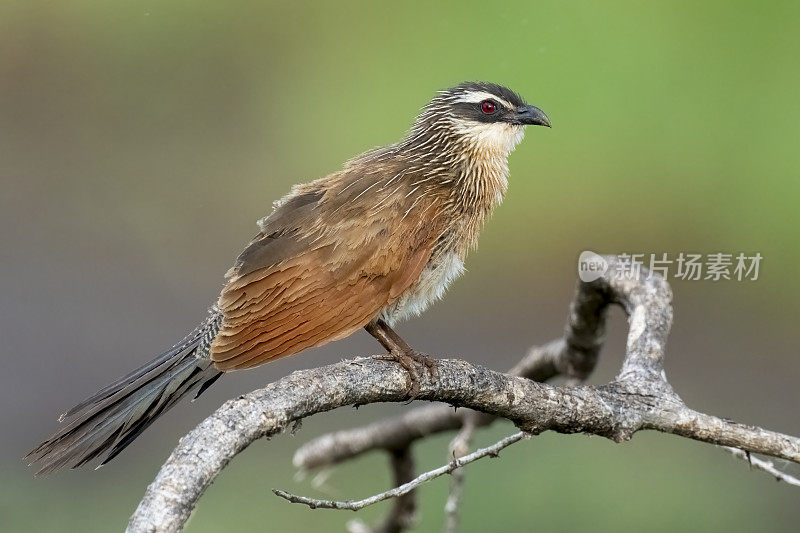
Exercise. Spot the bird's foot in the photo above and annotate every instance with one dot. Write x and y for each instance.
(411, 361)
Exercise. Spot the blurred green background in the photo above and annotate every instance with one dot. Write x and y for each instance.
(139, 142)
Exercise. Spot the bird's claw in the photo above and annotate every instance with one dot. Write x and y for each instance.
(411, 360)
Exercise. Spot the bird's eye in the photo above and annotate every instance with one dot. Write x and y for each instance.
(488, 107)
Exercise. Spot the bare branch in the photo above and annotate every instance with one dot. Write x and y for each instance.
(351, 505)
(458, 448)
(639, 398)
(766, 466)
(574, 355)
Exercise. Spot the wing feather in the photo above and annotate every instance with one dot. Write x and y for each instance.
(298, 288)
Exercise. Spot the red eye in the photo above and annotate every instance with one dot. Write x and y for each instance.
(488, 107)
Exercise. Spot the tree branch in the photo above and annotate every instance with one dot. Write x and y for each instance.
(459, 447)
(355, 505)
(639, 398)
(574, 356)
(765, 466)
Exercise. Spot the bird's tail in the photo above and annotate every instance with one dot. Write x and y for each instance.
(108, 421)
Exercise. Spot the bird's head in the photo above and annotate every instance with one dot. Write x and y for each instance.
(479, 116)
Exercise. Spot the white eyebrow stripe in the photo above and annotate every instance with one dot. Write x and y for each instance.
(473, 97)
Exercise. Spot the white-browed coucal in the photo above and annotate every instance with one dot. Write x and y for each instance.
(368, 245)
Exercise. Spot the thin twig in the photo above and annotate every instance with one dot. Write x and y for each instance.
(458, 448)
(355, 505)
(760, 464)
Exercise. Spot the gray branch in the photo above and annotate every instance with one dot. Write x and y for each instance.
(459, 447)
(574, 355)
(764, 466)
(402, 490)
(639, 398)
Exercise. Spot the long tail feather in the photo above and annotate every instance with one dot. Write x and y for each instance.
(108, 421)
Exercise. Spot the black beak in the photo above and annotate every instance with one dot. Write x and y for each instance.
(530, 115)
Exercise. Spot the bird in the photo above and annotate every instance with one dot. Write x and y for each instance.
(366, 246)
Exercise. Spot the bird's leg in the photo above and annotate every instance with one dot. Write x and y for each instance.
(401, 352)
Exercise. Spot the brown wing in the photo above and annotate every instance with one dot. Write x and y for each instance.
(291, 291)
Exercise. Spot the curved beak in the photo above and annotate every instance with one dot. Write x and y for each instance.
(528, 115)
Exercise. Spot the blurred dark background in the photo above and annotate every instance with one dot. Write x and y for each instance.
(140, 141)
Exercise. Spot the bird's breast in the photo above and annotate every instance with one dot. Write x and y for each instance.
(441, 270)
